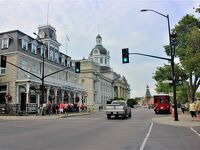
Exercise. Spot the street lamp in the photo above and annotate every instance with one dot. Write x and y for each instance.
(172, 53)
(42, 68)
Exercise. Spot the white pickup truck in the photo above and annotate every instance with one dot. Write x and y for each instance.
(118, 108)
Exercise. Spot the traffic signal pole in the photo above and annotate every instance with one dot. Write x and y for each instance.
(152, 56)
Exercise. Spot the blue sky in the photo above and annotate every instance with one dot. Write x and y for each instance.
(121, 25)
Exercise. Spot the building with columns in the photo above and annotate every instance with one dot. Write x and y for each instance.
(23, 89)
(98, 78)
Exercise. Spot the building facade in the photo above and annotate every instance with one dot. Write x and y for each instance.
(26, 53)
(98, 78)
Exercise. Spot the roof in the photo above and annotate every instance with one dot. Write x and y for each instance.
(101, 49)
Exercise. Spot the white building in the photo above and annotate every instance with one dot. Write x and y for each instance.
(99, 80)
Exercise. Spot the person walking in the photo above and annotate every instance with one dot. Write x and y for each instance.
(197, 108)
(183, 108)
(192, 110)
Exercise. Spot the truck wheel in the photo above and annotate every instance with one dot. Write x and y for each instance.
(130, 114)
(108, 116)
(125, 115)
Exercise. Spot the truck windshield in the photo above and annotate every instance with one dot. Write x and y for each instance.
(119, 103)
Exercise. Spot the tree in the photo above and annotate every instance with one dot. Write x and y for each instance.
(164, 73)
(198, 9)
(131, 102)
(188, 50)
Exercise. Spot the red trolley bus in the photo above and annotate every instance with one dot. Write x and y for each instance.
(161, 103)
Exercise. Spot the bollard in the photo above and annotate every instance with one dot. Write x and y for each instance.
(173, 113)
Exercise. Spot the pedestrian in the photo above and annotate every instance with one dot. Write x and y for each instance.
(192, 110)
(197, 108)
(183, 108)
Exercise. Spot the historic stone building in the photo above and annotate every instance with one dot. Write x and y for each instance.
(99, 80)
(23, 89)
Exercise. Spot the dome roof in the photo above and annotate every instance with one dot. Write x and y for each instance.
(100, 49)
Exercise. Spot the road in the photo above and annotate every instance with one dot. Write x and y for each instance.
(95, 132)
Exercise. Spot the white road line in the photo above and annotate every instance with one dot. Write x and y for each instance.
(146, 138)
(194, 131)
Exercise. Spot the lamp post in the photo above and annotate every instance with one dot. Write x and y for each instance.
(172, 53)
(42, 67)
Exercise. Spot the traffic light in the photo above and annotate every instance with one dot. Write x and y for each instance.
(125, 56)
(3, 61)
(77, 67)
(174, 39)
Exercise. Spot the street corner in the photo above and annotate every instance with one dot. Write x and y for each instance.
(184, 120)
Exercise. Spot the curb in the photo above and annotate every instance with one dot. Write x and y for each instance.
(41, 117)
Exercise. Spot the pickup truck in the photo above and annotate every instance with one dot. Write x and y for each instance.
(118, 108)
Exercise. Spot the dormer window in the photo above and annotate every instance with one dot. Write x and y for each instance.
(5, 41)
(34, 47)
(25, 42)
(42, 51)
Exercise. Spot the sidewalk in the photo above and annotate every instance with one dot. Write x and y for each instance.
(184, 120)
(34, 117)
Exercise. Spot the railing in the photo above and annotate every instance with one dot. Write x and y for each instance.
(14, 109)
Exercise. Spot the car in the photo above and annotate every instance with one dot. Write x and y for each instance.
(118, 108)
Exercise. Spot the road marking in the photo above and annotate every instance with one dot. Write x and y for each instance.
(146, 138)
(195, 131)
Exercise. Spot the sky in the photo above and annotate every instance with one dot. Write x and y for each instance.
(119, 22)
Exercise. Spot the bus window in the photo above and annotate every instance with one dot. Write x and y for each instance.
(161, 100)
(167, 100)
(156, 100)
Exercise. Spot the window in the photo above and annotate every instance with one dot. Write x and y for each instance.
(161, 100)
(25, 44)
(5, 43)
(63, 60)
(24, 64)
(42, 51)
(51, 55)
(32, 96)
(105, 61)
(34, 68)
(34, 48)
(101, 60)
(96, 60)
(56, 57)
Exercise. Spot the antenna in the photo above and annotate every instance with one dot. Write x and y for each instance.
(98, 29)
(48, 14)
(67, 40)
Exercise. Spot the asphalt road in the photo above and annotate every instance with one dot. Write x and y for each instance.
(95, 132)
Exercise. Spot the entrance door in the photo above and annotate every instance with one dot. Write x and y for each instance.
(23, 101)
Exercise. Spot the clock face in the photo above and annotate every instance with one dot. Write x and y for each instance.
(41, 34)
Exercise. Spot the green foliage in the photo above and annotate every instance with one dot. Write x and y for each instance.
(131, 102)
(198, 9)
(118, 98)
(182, 93)
(197, 94)
(188, 50)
